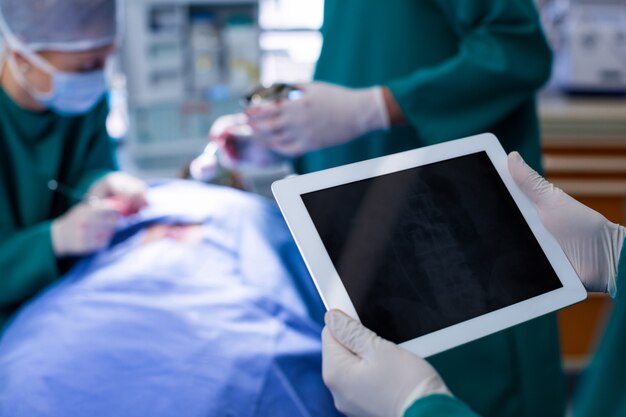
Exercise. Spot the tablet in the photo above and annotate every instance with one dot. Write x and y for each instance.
(429, 248)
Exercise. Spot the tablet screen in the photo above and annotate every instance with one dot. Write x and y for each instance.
(429, 247)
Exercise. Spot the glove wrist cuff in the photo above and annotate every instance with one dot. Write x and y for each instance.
(382, 113)
(431, 385)
(57, 241)
(618, 237)
(372, 111)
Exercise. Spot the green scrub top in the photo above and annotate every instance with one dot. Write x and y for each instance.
(36, 147)
(456, 68)
(601, 392)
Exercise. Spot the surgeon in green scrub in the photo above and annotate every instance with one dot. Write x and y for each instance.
(401, 74)
(371, 377)
(52, 132)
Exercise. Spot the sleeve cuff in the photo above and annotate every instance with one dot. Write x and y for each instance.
(52, 266)
(439, 405)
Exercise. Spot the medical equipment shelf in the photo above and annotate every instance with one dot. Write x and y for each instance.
(186, 63)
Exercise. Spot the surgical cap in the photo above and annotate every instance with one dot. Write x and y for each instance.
(58, 25)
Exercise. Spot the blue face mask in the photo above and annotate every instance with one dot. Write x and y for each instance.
(71, 93)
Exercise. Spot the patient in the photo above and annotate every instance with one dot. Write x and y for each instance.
(201, 306)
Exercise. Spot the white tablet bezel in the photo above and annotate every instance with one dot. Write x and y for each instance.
(331, 288)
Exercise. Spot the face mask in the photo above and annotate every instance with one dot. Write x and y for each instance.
(71, 93)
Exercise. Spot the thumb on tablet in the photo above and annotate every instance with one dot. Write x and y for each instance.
(591, 243)
(531, 183)
(350, 333)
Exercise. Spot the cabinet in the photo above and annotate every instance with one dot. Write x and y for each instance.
(186, 62)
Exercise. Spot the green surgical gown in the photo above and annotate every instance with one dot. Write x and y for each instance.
(456, 68)
(36, 147)
(602, 392)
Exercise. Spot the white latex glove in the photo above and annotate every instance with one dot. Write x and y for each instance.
(591, 242)
(237, 147)
(227, 131)
(370, 376)
(126, 191)
(85, 228)
(325, 115)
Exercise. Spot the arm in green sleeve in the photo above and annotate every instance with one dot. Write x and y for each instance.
(100, 154)
(502, 59)
(27, 263)
(439, 405)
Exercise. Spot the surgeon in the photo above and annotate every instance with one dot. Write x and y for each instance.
(371, 377)
(398, 75)
(52, 132)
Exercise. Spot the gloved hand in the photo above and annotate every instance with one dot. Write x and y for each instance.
(126, 191)
(369, 376)
(86, 227)
(325, 115)
(226, 130)
(591, 242)
(237, 147)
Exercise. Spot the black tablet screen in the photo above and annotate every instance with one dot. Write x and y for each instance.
(428, 247)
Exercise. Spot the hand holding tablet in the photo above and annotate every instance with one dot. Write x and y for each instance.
(591, 242)
(429, 248)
